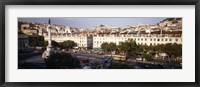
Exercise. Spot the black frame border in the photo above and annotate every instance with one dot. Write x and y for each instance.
(99, 2)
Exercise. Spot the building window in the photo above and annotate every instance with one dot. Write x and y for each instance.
(138, 39)
(141, 39)
(165, 39)
(150, 39)
(158, 39)
(154, 39)
(176, 39)
(145, 39)
(161, 39)
(170, 39)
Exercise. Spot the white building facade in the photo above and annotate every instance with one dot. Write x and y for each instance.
(81, 41)
(142, 40)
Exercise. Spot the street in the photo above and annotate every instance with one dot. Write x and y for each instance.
(35, 61)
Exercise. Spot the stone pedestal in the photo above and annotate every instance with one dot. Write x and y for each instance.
(49, 48)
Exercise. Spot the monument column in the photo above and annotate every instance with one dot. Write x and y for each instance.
(49, 36)
(49, 48)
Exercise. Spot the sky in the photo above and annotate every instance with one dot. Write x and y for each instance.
(89, 22)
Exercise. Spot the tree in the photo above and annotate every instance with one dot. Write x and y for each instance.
(53, 43)
(108, 47)
(123, 46)
(68, 44)
(104, 47)
(159, 47)
(62, 60)
(147, 56)
(36, 41)
(173, 49)
(128, 46)
(112, 47)
(46, 43)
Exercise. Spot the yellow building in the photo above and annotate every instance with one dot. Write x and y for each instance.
(26, 29)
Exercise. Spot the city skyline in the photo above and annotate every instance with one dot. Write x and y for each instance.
(89, 22)
(146, 46)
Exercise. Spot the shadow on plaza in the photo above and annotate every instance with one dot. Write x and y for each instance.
(32, 66)
(31, 61)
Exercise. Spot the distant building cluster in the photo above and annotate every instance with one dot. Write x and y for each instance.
(166, 31)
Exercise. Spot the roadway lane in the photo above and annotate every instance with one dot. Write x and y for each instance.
(33, 62)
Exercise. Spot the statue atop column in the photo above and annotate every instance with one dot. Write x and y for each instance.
(49, 48)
